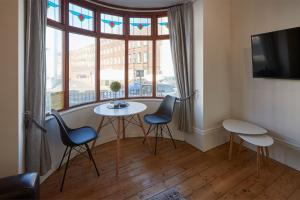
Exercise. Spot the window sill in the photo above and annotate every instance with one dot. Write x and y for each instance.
(77, 108)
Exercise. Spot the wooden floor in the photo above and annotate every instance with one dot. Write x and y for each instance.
(194, 174)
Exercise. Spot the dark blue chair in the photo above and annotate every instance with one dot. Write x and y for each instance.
(72, 138)
(161, 118)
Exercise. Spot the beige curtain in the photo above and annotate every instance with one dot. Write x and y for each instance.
(37, 155)
(181, 38)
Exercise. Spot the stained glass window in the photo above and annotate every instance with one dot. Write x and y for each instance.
(81, 17)
(111, 24)
(140, 26)
(162, 26)
(53, 11)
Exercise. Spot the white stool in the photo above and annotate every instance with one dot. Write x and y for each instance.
(262, 142)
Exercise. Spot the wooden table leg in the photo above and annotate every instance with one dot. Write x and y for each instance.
(123, 127)
(241, 146)
(267, 153)
(118, 146)
(144, 132)
(258, 160)
(262, 154)
(98, 131)
(230, 146)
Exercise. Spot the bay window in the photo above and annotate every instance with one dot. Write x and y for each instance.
(82, 65)
(90, 46)
(54, 70)
(112, 71)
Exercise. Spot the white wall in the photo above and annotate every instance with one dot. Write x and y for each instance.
(212, 35)
(271, 103)
(10, 67)
(217, 46)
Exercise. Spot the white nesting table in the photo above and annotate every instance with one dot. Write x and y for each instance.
(126, 114)
(262, 142)
(241, 128)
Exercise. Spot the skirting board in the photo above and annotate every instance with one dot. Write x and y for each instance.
(205, 140)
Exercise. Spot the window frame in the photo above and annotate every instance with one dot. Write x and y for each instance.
(64, 26)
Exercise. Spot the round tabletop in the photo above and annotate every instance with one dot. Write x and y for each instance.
(242, 127)
(132, 109)
(258, 140)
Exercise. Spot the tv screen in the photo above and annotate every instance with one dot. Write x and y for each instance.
(276, 54)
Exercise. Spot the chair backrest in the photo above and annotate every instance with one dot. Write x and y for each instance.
(166, 108)
(64, 129)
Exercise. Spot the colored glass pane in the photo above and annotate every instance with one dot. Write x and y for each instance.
(53, 11)
(81, 17)
(111, 24)
(162, 26)
(140, 26)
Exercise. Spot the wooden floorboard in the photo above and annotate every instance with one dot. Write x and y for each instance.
(196, 175)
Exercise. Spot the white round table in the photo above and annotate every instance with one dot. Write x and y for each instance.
(121, 114)
(132, 109)
(241, 127)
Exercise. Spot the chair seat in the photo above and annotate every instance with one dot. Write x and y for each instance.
(156, 119)
(82, 135)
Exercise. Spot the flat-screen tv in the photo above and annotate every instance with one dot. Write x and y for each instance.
(276, 54)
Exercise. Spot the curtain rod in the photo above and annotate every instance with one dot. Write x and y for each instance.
(132, 9)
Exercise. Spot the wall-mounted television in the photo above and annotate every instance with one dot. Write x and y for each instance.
(276, 54)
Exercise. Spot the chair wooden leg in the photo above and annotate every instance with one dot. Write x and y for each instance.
(91, 157)
(62, 159)
(66, 168)
(156, 135)
(230, 146)
(171, 136)
(258, 160)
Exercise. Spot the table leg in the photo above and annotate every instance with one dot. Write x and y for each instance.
(230, 146)
(262, 154)
(123, 127)
(144, 132)
(258, 160)
(267, 152)
(118, 146)
(98, 131)
(241, 146)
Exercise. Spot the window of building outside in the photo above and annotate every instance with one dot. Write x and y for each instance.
(86, 54)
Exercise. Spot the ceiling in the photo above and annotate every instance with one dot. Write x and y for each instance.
(143, 3)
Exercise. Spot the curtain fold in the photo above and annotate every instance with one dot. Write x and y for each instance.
(181, 39)
(37, 154)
